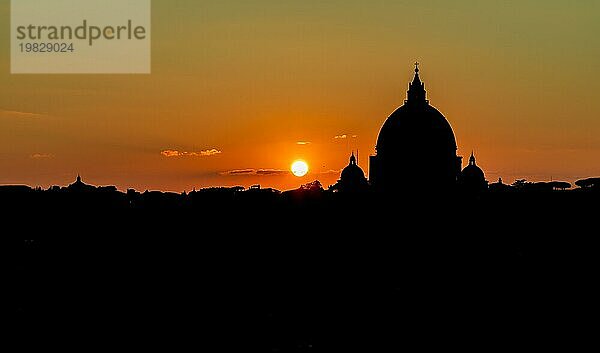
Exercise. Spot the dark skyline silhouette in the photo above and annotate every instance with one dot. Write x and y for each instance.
(300, 270)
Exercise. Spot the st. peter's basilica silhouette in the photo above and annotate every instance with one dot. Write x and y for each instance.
(416, 146)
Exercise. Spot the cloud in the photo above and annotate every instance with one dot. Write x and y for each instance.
(170, 153)
(344, 136)
(259, 172)
(204, 153)
(239, 172)
(272, 172)
(41, 156)
(330, 171)
(18, 115)
(210, 152)
(303, 143)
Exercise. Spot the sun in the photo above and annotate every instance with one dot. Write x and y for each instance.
(299, 168)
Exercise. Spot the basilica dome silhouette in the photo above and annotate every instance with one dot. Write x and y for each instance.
(416, 146)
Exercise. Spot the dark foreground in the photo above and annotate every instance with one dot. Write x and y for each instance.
(301, 273)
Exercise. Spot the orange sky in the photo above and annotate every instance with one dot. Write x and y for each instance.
(518, 81)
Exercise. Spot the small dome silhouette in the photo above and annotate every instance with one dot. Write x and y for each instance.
(352, 178)
(473, 172)
(352, 171)
(472, 177)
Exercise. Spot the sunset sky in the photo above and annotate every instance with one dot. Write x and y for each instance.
(241, 89)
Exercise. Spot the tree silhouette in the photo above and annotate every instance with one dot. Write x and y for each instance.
(588, 183)
(312, 186)
(520, 184)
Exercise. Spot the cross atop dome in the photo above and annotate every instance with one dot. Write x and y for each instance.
(472, 158)
(416, 89)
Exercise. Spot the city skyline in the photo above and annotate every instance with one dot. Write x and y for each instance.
(265, 85)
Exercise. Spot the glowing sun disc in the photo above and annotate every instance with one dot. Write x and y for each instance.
(299, 168)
